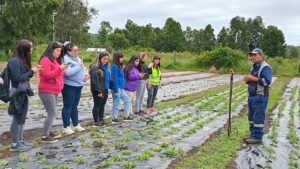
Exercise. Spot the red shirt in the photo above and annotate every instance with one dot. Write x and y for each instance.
(51, 77)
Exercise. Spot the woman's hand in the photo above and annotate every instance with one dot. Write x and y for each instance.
(100, 95)
(86, 77)
(116, 94)
(63, 66)
(80, 63)
(149, 86)
(150, 65)
(1, 81)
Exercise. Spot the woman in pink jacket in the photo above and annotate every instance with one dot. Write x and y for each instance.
(50, 86)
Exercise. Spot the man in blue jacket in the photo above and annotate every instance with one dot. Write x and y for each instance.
(258, 82)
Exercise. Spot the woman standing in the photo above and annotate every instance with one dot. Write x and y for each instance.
(132, 76)
(20, 72)
(73, 82)
(154, 82)
(118, 91)
(100, 79)
(142, 85)
(50, 86)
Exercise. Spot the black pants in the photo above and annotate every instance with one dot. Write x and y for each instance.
(99, 104)
(151, 96)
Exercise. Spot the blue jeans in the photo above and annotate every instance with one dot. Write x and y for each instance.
(116, 101)
(256, 115)
(71, 96)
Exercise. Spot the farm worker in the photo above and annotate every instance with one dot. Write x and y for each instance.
(74, 79)
(50, 85)
(154, 82)
(258, 87)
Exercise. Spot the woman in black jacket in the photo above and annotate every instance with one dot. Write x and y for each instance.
(100, 81)
(20, 72)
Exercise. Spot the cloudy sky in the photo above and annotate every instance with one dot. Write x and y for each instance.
(285, 14)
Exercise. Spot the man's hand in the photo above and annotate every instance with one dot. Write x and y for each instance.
(250, 78)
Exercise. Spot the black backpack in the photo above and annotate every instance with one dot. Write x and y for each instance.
(4, 88)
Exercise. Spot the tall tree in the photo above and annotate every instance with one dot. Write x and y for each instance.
(146, 36)
(188, 34)
(104, 31)
(174, 37)
(256, 27)
(223, 37)
(209, 39)
(240, 34)
(132, 32)
(71, 22)
(273, 42)
(293, 52)
(158, 40)
(118, 39)
(28, 19)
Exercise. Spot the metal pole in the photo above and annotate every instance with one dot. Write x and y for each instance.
(53, 34)
(230, 100)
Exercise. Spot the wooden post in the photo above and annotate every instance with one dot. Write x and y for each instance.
(230, 100)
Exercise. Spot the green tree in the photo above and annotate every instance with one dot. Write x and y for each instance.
(118, 40)
(197, 42)
(239, 34)
(174, 37)
(28, 19)
(188, 34)
(158, 39)
(256, 27)
(146, 36)
(104, 31)
(71, 22)
(132, 32)
(293, 52)
(209, 39)
(273, 42)
(223, 37)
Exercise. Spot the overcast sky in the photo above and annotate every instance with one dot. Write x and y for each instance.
(285, 14)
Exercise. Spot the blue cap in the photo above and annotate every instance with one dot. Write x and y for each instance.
(256, 50)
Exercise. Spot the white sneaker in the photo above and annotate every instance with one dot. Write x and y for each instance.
(79, 128)
(68, 130)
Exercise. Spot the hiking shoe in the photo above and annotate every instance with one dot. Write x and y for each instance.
(17, 147)
(79, 128)
(49, 139)
(100, 123)
(115, 121)
(25, 143)
(148, 111)
(137, 113)
(252, 141)
(129, 118)
(68, 130)
(55, 136)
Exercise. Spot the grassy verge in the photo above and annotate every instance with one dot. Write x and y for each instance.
(218, 152)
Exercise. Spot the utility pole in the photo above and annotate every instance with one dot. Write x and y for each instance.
(53, 34)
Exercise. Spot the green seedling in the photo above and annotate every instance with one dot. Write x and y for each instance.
(126, 139)
(49, 167)
(145, 155)
(42, 160)
(106, 163)
(105, 148)
(97, 141)
(164, 145)
(127, 152)
(117, 158)
(171, 152)
(4, 163)
(23, 158)
(94, 134)
(117, 145)
(62, 167)
(78, 160)
(157, 149)
(129, 165)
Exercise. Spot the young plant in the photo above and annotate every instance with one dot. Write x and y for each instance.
(62, 167)
(117, 145)
(4, 163)
(164, 145)
(157, 149)
(94, 134)
(42, 160)
(23, 158)
(49, 167)
(129, 165)
(127, 152)
(106, 163)
(78, 160)
(126, 139)
(117, 158)
(105, 148)
(171, 152)
(145, 155)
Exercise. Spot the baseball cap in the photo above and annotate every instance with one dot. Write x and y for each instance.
(256, 50)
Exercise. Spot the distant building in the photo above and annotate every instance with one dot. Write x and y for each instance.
(98, 50)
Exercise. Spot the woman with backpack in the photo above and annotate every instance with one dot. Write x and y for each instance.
(132, 76)
(154, 82)
(50, 85)
(20, 71)
(100, 83)
(118, 92)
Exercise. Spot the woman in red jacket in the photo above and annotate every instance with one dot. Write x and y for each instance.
(51, 84)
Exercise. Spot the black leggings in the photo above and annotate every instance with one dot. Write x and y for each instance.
(99, 104)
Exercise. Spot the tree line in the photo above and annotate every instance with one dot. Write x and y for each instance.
(32, 19)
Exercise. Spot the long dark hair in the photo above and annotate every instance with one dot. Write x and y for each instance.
(98, 61)
(129, 66)
(116, 59)
(68, 46)
(22, 53)
(156, 57)
(49, 51)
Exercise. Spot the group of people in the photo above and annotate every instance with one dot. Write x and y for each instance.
(62, 71)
